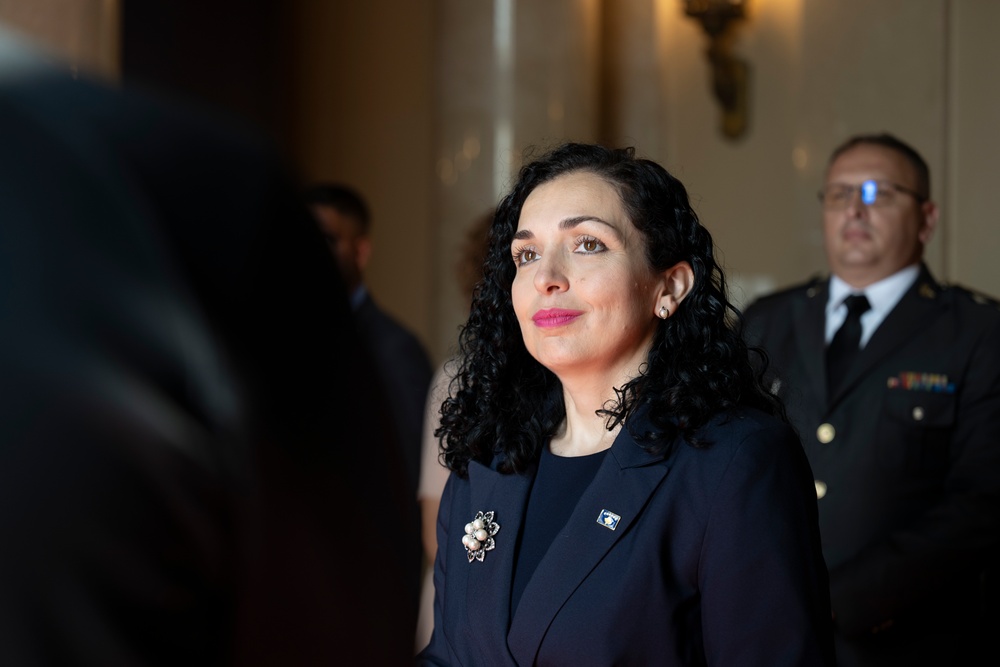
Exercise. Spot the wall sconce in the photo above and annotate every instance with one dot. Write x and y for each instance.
(729, 73)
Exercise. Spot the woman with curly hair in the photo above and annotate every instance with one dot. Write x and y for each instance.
(624, 490)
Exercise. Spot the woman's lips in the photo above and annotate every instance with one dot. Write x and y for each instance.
(555, 317)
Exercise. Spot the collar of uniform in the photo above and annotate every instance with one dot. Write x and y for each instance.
(882, 295)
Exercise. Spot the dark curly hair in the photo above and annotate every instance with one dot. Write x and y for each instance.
(505, 404)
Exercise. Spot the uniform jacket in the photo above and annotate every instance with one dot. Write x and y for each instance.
(714, 560)
(907, 463)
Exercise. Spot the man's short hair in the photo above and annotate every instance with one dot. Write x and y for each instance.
(342, 198)
(886, 140)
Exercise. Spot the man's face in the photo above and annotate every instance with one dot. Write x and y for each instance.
(866, 243)
(348, 245)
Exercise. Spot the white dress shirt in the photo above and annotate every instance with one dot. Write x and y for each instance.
(883, 297)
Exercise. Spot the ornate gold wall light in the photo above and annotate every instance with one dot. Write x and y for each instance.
(729, 73)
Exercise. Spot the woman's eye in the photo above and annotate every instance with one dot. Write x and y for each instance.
(524, 256)
(590, 245)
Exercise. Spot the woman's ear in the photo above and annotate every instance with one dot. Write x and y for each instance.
(677, 283)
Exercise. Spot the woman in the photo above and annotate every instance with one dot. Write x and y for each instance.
(623, 489)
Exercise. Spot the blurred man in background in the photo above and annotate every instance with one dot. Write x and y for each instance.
(403, 366)
(893, 381)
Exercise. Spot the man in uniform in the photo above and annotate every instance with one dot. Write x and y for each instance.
(893, 382)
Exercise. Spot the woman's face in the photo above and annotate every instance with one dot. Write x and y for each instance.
(583, 291)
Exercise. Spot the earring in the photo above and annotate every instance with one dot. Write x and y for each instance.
(663, 313)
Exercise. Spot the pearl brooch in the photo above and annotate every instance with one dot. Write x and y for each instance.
(478, 538)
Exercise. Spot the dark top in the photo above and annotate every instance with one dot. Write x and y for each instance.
(559, 483)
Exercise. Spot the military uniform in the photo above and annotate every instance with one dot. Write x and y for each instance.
(906, 457)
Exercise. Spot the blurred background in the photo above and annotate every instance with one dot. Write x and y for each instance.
(429, 106)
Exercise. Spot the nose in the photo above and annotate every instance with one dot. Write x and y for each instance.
(550, 275)
(856, 206)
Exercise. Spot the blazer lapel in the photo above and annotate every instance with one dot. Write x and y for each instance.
(489, 581)
(622, 486)
(809, 319)
(905, 321)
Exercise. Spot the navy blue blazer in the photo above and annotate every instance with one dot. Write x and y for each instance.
(715, 559)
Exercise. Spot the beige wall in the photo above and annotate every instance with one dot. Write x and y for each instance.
(512, 76)
(971, 179)
(427, 106)
(84, 33)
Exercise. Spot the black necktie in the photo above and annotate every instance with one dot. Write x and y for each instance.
(846, 343)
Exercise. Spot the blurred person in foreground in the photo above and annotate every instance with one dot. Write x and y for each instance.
(186, 425)
(623, 490)
(893, 381)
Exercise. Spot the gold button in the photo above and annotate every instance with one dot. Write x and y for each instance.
(825, 433)
(820, 489)
(918, 413)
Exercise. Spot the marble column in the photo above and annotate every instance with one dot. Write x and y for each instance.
(513, 77)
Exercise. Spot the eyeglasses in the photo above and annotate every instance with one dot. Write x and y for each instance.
(837, 196)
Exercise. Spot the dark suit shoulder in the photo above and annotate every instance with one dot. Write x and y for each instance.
(732, 430)
(770, 315)
(965, 297)
(371, 317)
(744, 423)
(743, 444)
(973, 312)
(384, 334)
(781, 298)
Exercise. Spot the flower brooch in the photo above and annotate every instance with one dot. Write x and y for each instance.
(478, 538)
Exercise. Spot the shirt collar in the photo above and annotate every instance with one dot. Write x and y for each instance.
(882, 295)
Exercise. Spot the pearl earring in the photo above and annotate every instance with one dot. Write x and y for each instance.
(664, 313)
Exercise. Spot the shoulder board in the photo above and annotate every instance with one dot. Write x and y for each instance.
(814, 285)
(978, 298)
(809, 288)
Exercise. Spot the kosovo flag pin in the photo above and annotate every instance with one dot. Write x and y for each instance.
(608, 519)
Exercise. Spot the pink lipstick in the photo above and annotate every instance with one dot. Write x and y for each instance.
(555, 317)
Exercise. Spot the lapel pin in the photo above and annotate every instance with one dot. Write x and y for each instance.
(478, 538)
(608, 519)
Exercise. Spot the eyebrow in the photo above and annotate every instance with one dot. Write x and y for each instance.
(570, 223)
